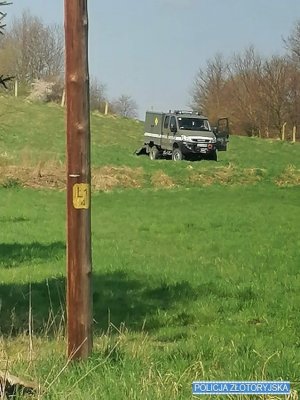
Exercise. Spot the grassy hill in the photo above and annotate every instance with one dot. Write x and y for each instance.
(197, 282)
(33, 136)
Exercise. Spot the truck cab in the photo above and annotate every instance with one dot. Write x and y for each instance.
(184, 134)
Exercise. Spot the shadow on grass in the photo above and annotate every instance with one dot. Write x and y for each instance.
(119, 298)
(15, 254)
(13, 219)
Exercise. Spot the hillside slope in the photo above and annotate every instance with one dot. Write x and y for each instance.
(32, 136)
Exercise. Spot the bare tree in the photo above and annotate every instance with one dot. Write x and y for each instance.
(2, 16)
(274, 81)
(258, 95)
(32, 50)
(209, 88)
(245, 70)
(231, 88)
(125, 106)
(292, 43)
(293, 95)
(3, 79)
(97, 94)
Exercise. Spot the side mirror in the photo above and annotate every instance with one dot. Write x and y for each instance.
(173, 128)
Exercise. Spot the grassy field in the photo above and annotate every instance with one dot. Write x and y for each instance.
(196, 265)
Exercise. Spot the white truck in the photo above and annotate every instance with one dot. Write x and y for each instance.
(183, 135)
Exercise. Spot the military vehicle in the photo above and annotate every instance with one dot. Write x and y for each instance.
(183, 135)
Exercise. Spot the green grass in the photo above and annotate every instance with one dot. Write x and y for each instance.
(33, 133)
(200, 281)
(203, 284)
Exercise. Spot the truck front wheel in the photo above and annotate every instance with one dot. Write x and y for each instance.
(177, 154)
(213, 156)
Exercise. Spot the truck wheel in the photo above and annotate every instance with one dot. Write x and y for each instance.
(177, 154)
(212, 156)
(154, 153)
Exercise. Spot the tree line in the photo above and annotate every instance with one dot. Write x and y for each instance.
(259, 95)
(33, 53)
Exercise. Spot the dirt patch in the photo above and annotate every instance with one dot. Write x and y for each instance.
(37, 177)
(161, 180)
(289, 177)
(227, 176)
(108, 178)
(54, 177)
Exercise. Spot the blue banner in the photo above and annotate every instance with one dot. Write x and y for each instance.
(241, 387)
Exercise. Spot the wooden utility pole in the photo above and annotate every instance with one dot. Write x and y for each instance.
(79, 264)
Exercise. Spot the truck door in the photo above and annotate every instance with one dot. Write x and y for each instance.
(172, 132)
(222, 134)
(167, 134)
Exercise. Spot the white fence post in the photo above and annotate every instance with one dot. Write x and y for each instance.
(106, 108)
(16, 88)
(283, 131)
(63, 99)
(294, 134)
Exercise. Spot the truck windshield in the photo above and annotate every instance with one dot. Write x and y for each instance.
(193, 124)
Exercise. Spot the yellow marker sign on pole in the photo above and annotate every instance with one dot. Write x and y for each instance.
(156, 121)
(81, 196)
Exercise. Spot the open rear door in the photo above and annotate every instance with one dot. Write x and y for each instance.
(222, 134)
